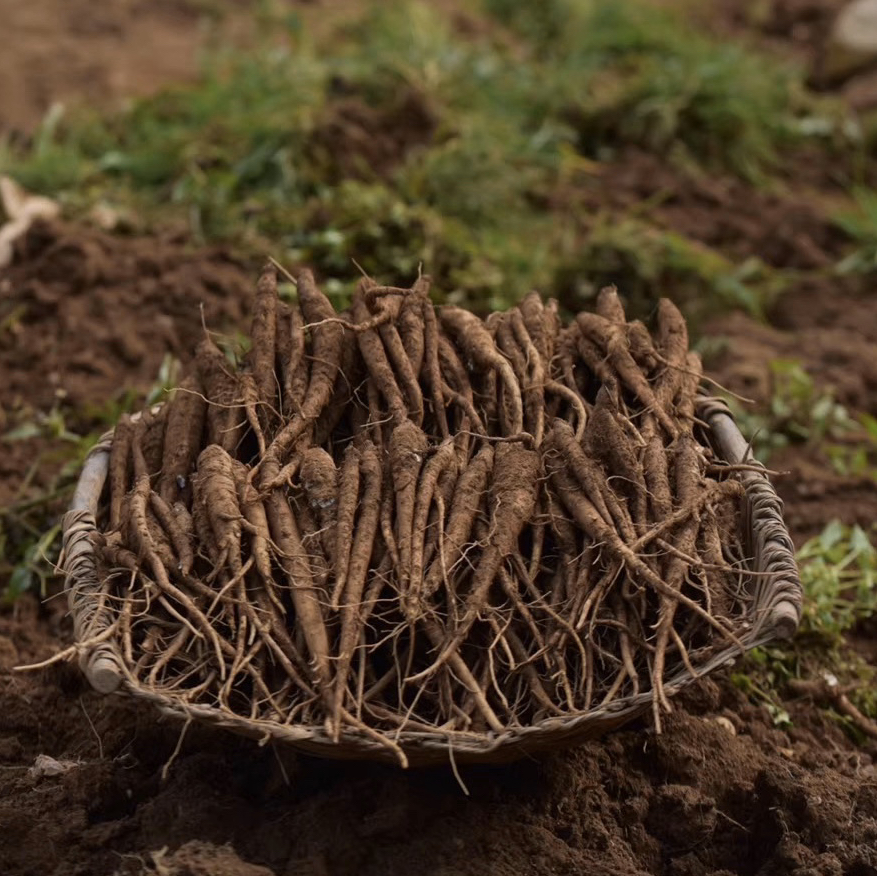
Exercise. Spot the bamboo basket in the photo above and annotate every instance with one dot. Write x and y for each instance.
(773, 612)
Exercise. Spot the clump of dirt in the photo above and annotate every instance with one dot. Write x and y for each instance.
(794, 29)
(723, 212)
(90, 308)
(825, 324)
(356, 140)
(203, 859)
(86, 317)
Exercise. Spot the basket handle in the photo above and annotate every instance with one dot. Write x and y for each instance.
(779, 592)
(86, 592)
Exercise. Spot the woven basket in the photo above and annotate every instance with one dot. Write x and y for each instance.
(773, 613)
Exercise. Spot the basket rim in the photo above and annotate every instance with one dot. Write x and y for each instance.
(774, 613)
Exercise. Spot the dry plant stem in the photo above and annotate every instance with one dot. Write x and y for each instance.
(305, 598)
(443, 459)
(824, 692)
(477, 344)
(119, 469)
(348, 495)
(432, 375)
(327, 342)
(360, 555)
(263, 333)
(513, 495)
(224, 412)
(408, 446)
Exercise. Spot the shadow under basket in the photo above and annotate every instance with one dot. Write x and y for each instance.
(772, 611)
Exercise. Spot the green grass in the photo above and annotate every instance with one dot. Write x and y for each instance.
(860, 224)
(641, 257)
(801, 414)
(839, 577)
(636, 74)
(30, 530)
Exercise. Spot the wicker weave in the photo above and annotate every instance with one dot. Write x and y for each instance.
(774, 612)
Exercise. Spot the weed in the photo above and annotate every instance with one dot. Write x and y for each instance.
(861, 225)
(838, 571)
(639, 74)
(839, 576)
(30, 530)
(647, 261)
(759, 683)
(798, 412)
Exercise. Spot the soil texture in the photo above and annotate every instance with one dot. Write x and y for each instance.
(722, 791)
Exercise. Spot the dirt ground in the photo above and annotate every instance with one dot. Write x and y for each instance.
(722, 791)
(85, 316)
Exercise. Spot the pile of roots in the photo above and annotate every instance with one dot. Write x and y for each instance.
(407, 518)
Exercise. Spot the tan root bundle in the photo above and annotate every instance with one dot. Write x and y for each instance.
(402, 519)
